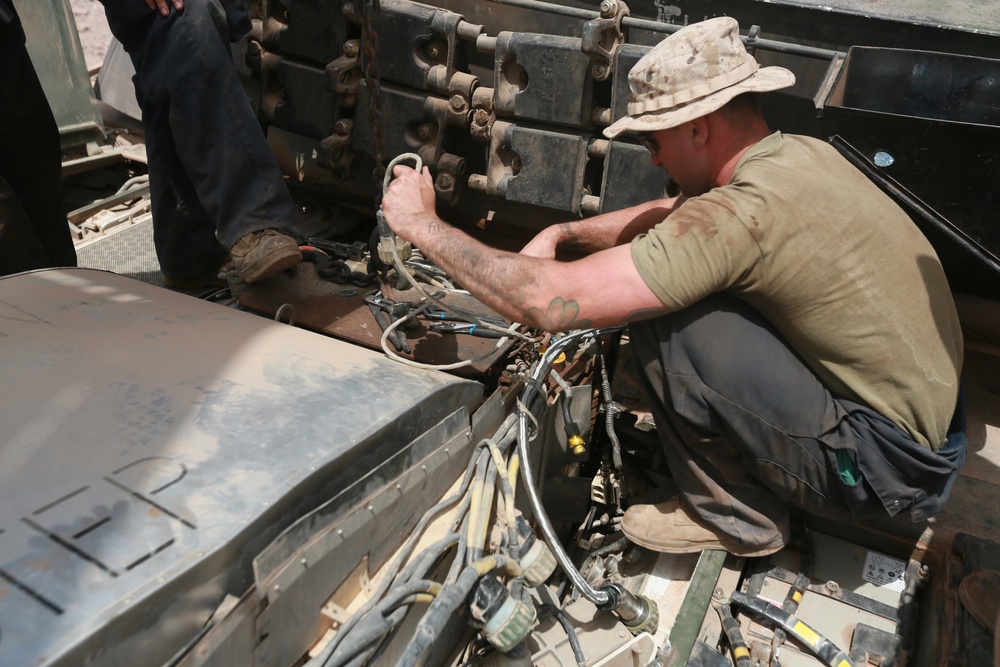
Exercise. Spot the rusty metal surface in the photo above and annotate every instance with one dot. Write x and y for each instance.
(340, 311)
(152, 443)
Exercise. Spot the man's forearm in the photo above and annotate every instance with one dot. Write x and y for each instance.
(611, 229)
(500, 279)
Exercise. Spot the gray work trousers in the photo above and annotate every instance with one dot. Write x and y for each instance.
(749, 429)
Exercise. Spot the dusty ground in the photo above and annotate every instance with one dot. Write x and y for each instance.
(93, 28)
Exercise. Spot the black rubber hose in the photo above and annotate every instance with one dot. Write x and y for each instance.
(324, 656)
(738, 645)
(819, 645)
(574, 641)
(379, 622)
(447, 602)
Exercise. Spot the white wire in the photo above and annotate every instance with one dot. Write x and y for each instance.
(439, 367)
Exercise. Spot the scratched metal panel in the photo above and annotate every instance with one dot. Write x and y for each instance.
(151, 444)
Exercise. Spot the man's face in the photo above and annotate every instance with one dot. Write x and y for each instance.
(674, 149)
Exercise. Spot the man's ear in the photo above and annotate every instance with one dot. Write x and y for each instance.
(698, 132)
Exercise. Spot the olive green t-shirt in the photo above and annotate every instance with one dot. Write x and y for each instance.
(834, 265)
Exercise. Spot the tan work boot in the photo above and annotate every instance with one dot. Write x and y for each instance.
(668, 528)
(260, 255)
(980, 595)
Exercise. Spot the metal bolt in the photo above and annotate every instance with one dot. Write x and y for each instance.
(343, 126)
(425, 131)
(832, 586)
(609, 8)
(457, 102)
(350, 48)
(445, 181)
(434, 51)
(718, 594)
(253, 47)
(599, 70)
(348, 9)
(480, 117)
(924, 572)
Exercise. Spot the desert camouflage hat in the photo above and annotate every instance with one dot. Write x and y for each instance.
(691, 73)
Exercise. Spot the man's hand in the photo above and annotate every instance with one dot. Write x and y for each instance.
(545, 243)
(409, 202)
(163, 6)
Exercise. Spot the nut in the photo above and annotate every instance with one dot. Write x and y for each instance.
(351, 48)
(609, 8)
(445, 181)
(457, 102)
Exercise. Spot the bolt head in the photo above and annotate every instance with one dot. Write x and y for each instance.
(350, 48)
(609, 8)
(445, 181)
(599, 70)
(457, 102)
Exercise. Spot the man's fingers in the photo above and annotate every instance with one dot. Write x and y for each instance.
(163, 6)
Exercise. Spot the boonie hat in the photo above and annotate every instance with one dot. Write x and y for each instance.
(691, 73)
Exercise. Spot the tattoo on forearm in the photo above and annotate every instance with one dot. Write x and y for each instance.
(561, 315)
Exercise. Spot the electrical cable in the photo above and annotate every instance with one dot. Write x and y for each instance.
(820, 646)
(322, 659)
(599, 597)
(609, 410)
(574, 640)
(794, 596)
(400, 265)
(440, 367)
(448, 600)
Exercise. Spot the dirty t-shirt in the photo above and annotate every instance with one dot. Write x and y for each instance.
(834, 265)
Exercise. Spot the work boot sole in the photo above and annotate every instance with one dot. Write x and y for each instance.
(281, 259)
(684, 547)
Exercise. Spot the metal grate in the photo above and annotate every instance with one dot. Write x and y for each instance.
(127, 252)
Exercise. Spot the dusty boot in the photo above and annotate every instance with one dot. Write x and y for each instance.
(260, 255)
(980, 595)
(668, 528)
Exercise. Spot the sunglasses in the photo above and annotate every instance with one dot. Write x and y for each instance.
(648, 142)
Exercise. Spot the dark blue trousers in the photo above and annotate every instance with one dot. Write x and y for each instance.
(749, 429)
(212, 177)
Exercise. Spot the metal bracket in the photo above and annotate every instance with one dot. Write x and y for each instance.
(751, 40)
(602, 37)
